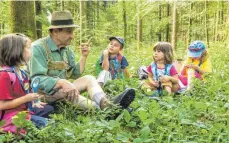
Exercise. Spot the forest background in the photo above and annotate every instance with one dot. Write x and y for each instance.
(200, 115)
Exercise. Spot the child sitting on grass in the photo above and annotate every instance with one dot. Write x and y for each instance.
(113, 63)
(15, 94)
(197, 63)
(161, 73)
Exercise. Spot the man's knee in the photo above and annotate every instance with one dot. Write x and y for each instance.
(90, 78)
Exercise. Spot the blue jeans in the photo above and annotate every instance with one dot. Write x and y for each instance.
(39, 121)
(40, 115)
(43, 112)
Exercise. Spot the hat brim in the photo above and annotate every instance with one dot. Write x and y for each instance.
(111, 38)
(64, 26)
(195, 54)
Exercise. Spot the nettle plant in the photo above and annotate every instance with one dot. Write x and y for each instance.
(198, 115)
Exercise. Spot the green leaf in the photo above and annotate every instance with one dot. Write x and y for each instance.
(127, 116)
(2, 123)
(142, 114)
(113, 123)
(138, 140)
(145, 132)
(131, 124)
(123, 136)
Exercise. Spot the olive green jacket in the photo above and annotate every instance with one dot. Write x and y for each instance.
(38, 65)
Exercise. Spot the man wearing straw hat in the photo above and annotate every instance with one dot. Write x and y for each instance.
(53, 62)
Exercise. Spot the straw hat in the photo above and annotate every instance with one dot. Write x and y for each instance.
(62, 19)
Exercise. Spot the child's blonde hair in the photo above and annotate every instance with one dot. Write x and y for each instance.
(204, 56)
(166, 49)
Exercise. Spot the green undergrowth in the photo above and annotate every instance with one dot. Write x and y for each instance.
(199, 115)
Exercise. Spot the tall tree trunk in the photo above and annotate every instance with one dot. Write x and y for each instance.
(222, 12)
(23, 18)
(216, 22)
(228, 23)
(190, 24)
(38, 23)
(139, 27)
(167, 27)
(62, 5)
(174, 31)
(97, 8)
(88, 10)
(124, 20)
(81, 20)
(139, 31)
(206, 23)
(159, 17)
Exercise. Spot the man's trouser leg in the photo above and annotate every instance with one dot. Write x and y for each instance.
(86, 83)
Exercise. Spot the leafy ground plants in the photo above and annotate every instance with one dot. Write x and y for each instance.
(199, 115)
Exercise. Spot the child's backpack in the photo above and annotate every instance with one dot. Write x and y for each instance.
(12, 76)
(12, 79)
(98, 67)
(142, 72)
(155, 73)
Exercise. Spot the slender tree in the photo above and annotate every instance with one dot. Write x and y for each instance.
(228, 23)
(167, 26)
(81, 19)
(174, 32)
(159, 18)
(38, 23)
(190, 23)
(23, 18)
(124, 20)
(206, 23)
(139, 27)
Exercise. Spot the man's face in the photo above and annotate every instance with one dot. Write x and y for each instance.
(65, 36)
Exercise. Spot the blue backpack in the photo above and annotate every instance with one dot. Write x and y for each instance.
(155, 70)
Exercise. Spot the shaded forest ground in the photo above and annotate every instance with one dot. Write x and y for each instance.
(199, 115)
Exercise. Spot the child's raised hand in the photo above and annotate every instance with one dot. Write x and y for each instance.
(39, 104)
(106, 52)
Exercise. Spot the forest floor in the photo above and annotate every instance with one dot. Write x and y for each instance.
(198, 115)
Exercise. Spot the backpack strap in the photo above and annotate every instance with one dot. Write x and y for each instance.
(154, 71)
(56, 65)
(200, 63)
(119, 57)
(53, 65)
(167, 69)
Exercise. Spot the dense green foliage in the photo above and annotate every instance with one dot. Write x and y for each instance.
(199, 115)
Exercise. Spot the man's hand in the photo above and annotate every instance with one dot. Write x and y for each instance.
(69, 88)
